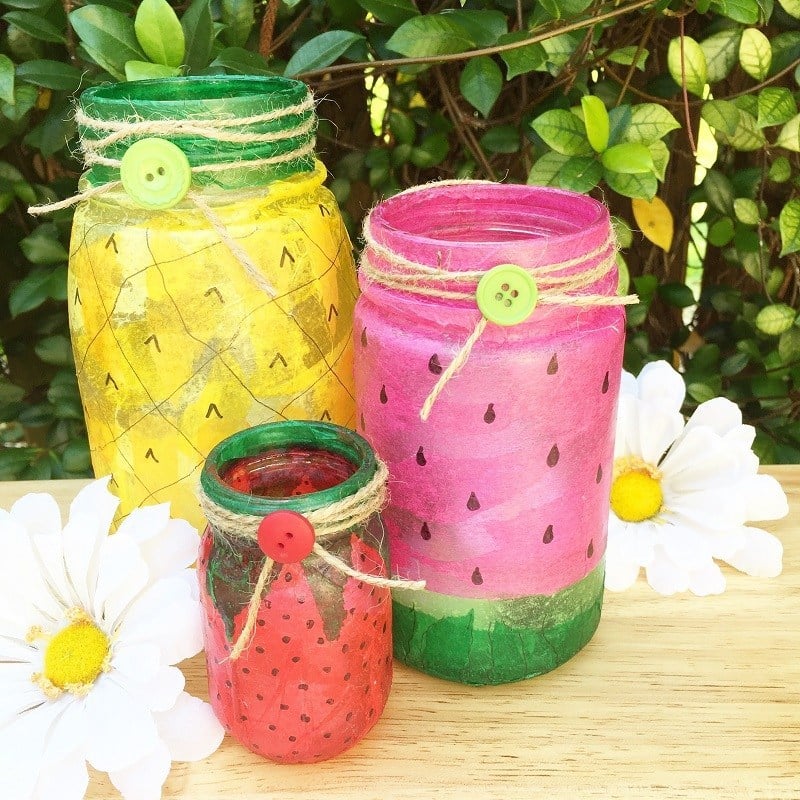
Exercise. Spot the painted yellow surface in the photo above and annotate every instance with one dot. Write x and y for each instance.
(175, 345)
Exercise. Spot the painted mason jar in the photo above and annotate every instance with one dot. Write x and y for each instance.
(297, 633)
(489, 345)
(211, 282)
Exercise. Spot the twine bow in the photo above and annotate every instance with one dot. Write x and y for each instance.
(331, 519)
(554, 288)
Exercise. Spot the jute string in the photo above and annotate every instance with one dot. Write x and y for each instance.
(213, 129)
(396, 272)
(334, 518)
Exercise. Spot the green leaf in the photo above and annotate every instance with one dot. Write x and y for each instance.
(43, 247)
(546, 169)
(595, 118)
(789, 136)
(700, 392)
(563, 131)
(198, 34)
(692, 66)
(789, 345)
(649, 122)
(746, 211)
(721, 115)
(722, 52)
(755, 53)
(774, 319)
(30, 292)
(484, 28)
(321, 51)
(430, 35)
(160, 33)
(625, 56)
(622, 232)
(781, 170)
(146, 70)
(560, 49)
(77, 457)
(789, 225)
(501, 139)
(35, 26)
(55, 350)
(480, 83)
(580, 174)
(748, 135)
(239, 17)
(629, 158)
(744, 11)
(523, 59)
(392, 12)
(660, 153)
(13, 460)
(242, 62)
(619, 122)
(677, 294)
(721, 232)
(734, 364)
(108, 36)
(643, 185)
(402, 127)
(791, 7)
(6, 79)
(432, 150)
(50, 74)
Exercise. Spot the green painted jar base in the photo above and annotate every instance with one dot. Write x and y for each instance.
(483, 642)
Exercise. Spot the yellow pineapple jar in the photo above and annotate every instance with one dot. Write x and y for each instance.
(211, 280)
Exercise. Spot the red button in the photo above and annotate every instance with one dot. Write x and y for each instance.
(286, 536)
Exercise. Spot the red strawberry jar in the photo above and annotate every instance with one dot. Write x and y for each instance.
(294, 587)
(489, 340)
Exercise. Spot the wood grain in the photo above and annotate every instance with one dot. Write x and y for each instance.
(679, 698)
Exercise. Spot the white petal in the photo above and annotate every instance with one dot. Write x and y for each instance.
(688, 548)
(628, 384)
(166, 615)
(721, 509)
(139, 660)
(760, 555)
(664, 576)
(145, 522)
(190, 729)
(121, 730)
(144, 779)
(707, 580)
(621, 573)
(65, 780)
(97, 501)
(18, 693)
(725, 543)
(14, 649)
(719, 414)
(39, 513)
(69, 732)
(626, 442)
(49, 551)
(658, 429)
(122, 576)
(662, 386)
(699, 460)
(159, 692)
(84, 537)
(764, 499)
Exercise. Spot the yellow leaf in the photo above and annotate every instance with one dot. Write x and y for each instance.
(654, 220)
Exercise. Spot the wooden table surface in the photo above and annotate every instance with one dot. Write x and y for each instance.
(674, 698)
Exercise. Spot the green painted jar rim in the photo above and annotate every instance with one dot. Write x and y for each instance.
(206, 97)
(290, 433)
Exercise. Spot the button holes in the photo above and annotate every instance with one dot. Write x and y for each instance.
(149, 176)
(505, 287)
(289, 535)
(162, 171)
(514, 293)
(507, 303)
(498, 296)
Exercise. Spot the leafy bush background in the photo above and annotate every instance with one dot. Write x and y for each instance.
(693, 104)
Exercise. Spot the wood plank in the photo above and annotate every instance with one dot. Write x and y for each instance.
(682, 698)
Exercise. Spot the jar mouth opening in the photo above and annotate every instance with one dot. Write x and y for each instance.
(323, 442)
(454, 216)
(163, 94)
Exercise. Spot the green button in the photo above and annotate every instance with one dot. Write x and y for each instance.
(155, 173)
(507, 294)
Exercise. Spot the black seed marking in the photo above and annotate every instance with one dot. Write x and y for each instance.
(275, 670)
(599, 475)
(349, 716)
(326, 669)
(228, 684)
(363, 427)
(320, 640)
(425, 531)
(284, 707)
(345, 648)
(421, 460)
(552, 367)
(434, 366)
(261, 623)
(384, 397)
(605, 384)
(259, 697)
(303, 686)
(371, 712)
(473, 504)
(489, 417)
(295, 659)
(218, 696)
(309, 623)
(288, 577)
(260, 650)
(287, 616)
(347, 676)
(553, 456)
(272, 727)
(590, 550)
(292, 738)
(364, 341)
(477, 578)
(246, 670)
(548, 535)
(243, 718)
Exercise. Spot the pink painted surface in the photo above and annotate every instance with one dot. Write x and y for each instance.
(503, 492)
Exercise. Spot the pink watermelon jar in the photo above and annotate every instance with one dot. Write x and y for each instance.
(499, 499)
(315, 674)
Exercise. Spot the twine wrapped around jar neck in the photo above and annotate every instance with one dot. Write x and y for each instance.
(350, 512)
(555, 287)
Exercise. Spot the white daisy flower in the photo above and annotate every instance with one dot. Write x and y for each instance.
(91, 627)
(683, 491)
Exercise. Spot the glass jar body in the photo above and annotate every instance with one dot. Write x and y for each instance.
(500, 499)
(316, 674)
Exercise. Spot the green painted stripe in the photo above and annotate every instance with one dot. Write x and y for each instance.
(514, 639)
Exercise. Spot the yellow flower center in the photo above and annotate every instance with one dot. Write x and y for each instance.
(76, 655)
(636, 491)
